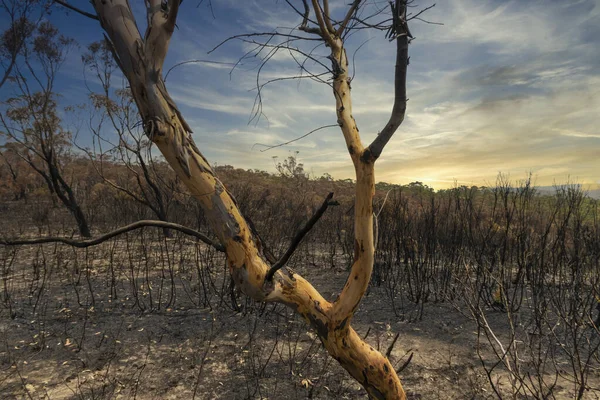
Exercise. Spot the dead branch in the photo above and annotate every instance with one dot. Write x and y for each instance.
(298, 238)
(327, 16)
(351, 11)
(116, 232)
(398, 31)
(77, 10)
(194, 61)
(391, 346)
(321, 21)
(403, 366)
(293, 140)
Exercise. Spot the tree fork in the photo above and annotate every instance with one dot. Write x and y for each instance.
(141, 62)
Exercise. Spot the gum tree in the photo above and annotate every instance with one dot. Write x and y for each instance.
(141, 58)
(30, 125)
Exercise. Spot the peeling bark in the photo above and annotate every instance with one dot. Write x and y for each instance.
(141, 61)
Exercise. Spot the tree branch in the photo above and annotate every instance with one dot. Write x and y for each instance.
(195, 61)
(267, 147)
(172, 16)
(351, 12)
(161, 24)
(320, 19)
(116, 232)
(400, 32)
(77, 10)
(327, 17)
(298, 238)
(403, 366)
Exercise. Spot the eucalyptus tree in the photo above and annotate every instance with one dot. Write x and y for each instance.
(141, 59)
(113, 121)
(23, 16)
(30, 119)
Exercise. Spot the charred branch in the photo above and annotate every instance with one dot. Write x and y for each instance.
(400, 33)
(77, 10)
(100, 239)
(298, 238)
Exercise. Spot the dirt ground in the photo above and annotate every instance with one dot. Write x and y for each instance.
(73, 328)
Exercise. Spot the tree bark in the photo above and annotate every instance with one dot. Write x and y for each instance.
(141, 61)
(65, 194)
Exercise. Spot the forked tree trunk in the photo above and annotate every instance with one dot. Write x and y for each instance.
(141, 61)
(57, 185)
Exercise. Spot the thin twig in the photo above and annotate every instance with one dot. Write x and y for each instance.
(293, 140)
(77, 10)
(196, 61)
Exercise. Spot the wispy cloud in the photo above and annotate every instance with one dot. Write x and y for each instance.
(509, 86)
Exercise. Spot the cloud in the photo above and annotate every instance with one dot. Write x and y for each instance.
(509, 86)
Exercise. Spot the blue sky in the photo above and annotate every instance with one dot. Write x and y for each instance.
(502, 86)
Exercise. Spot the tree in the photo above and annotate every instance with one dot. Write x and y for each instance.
(141, 60)
(11, 172)
(290, 167)
(31, 120)
(20, 30)
(131, 148)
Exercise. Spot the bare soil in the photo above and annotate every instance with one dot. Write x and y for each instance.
(97, 324)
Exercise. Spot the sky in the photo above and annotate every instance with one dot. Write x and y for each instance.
(508, 87)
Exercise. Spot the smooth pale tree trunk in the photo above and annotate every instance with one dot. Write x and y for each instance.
(141, 61)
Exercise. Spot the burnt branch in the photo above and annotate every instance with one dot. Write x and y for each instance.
(100, 239)
(418, 15)
(403, 366)
(388, 352)
(400, 33)
(298, 238)
(77, 10)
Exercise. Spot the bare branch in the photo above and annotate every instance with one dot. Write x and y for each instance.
(403, 366)
(417, 15)
(324, 31)
(305, 19)
(298, 238)
(349, 15)
(391, 346)
(161, 24)
(400, 32)
(77, 10)
(327, 16)
(248, 35)
(172, 15)
(194, 61)
(304, 15)
(116, 232)
(296, 139)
